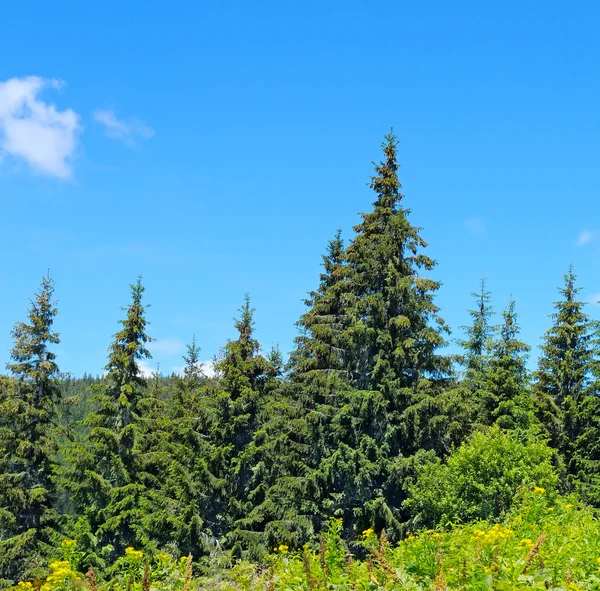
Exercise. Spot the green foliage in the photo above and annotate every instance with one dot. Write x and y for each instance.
(28, 518)
(477, 346)
(246, 380)
(480, 479)
(102, 474)
(506, 400)
(394, 328)
(368, 426)
(544, 542)
(565, 367)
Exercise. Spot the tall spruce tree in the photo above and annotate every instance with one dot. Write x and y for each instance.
(28, 519)
(103, 474)
(295, 433)
(246, 377)
(395, 328)
(178, 465)
(477, 345)
(564, 371)
(392, 333)
(320, 346)
(506, 400)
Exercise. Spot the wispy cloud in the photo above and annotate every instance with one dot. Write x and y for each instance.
(208, 368)
(477, 226)
(593, 299)
(584, 237)
(147, 370)
(35, 131)
(127, 131)
(167, 346)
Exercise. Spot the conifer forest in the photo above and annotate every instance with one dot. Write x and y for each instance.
(371, 457)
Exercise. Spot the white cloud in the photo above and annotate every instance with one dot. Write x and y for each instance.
(476, 226)
(593, 299)
(584, 238)
(128, 131)
(208, 369)
(146, 369)
(167, 346)
(35, 131)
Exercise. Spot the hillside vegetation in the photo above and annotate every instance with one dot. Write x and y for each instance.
(370, 458)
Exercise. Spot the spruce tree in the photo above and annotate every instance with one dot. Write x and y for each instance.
(245, 379)
(193, 372)
(28, 519)
(178, 465)
(564, 370)
(320, 346)
(102, 474)
(395, 328)
(295, 433)
(392, 333)
(478, 343)
(506, 400)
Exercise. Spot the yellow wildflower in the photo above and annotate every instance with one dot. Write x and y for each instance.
(68, 544)
(133, 553)
(539, 490)
(550, 509)
(569, 506)
(58, 564)
(495, 534)
(368, 532)
(283, 548)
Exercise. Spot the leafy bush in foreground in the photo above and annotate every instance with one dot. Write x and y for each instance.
(480, 479)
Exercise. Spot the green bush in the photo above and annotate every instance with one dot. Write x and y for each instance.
(480, 479)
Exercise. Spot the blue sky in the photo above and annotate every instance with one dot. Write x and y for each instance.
(214, 148)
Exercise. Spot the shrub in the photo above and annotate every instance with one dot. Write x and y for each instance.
(480, 479)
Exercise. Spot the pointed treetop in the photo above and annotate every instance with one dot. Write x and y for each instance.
(245, 327)
(385, 182)
(479, 333)
(193, 366)
(129, 344)
(31, 356)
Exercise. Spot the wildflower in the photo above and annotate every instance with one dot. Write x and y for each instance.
(25, 586)
(539, 490)
(526, 542)
(368, 532)
(550, 509)
(493, 535)
(68, 544)
(133, 553)
(569, 506)
(59, 564)
(283, 548)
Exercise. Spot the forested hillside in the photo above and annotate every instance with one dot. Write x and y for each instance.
(368, 427)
